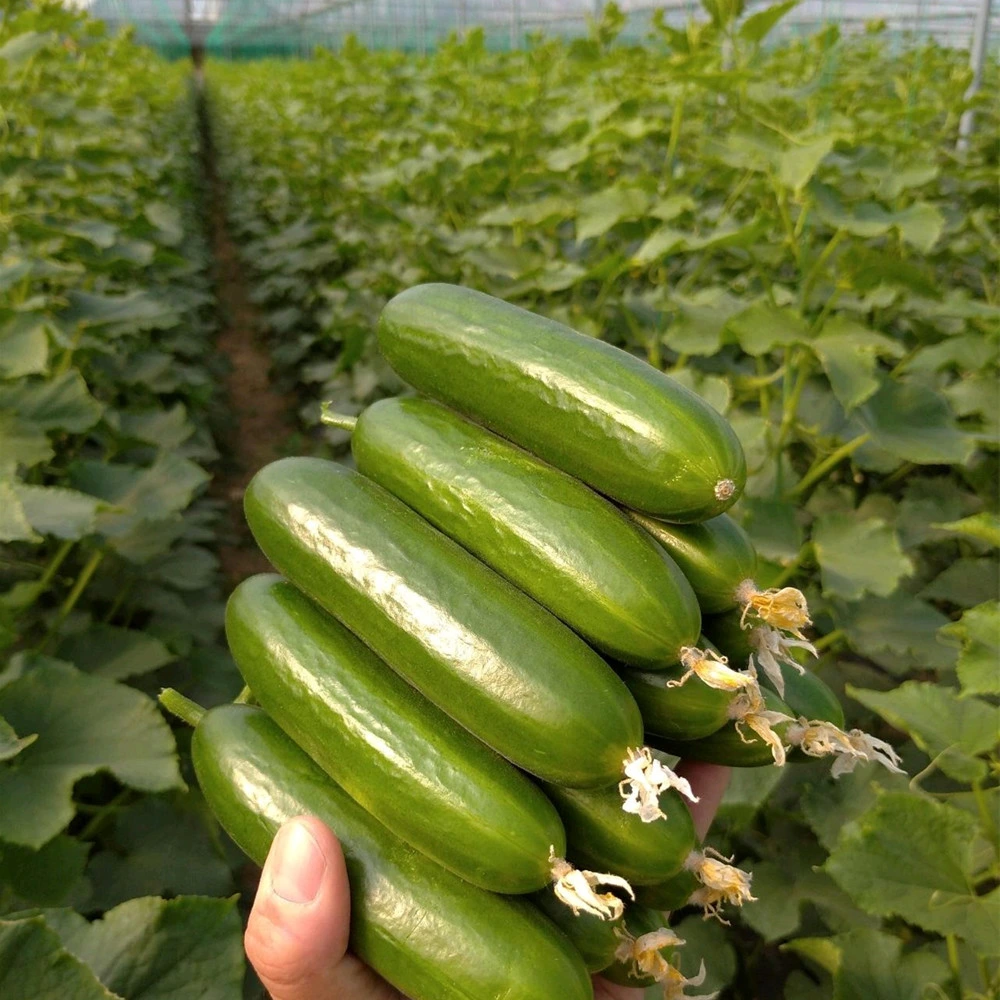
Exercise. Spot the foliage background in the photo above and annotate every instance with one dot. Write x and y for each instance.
(788, 230)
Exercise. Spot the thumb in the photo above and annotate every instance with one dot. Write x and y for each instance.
(296, 936)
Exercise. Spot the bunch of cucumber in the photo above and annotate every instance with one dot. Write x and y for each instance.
(476, 637)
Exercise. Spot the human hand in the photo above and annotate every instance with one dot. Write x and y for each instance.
(296, 938)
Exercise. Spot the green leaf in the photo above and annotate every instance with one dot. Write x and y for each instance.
(849, 353)
(915, 423)
(714, 390)
(706, 940)
(45, 877)
(600, 212)
(661, 242)
(85, 724)
(858, 557)
(35, 966)
(160, 849)
(984, 526)
(763, 327)
(62, 513)
(947, 728)
(920, 225)
(22, 442)
(14, 523)
(672, 206)
(114, 653)
(62, 403)
(165, 428)
(978, 631)
(872, 967)
(912, 857)
(167, 219)
(758, 26)
(156, 949)
(533, 213)
(10, 743)
(773, 527)
(24, 346)
(965, 582)
(22, 47)
(798, 164)
(899, 632)
(129, 313)
(700, 319)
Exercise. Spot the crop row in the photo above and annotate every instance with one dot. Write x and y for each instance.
(109, 585)
(788, 231)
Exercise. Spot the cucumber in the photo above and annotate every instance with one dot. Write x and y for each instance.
(716, 556)
(685, 712)
(727, 746)
(429, 933)
(584, 406)
(594, 939)
(641, 920)
(546, 532)
(669, 895)
(474, 645)
(431, 782)
(601, 837)
(806, 694)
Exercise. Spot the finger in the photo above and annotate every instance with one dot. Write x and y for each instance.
(708, 782)
(296, 936)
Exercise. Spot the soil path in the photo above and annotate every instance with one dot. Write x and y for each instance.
(261, 418)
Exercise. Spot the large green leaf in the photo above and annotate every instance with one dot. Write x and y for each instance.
(35, 966)
(23, 442)
(53, 510)
(48, 876)
(873, 967)
(849, 353)
(10, 743)
(24, 346)
(798, 163)
(950, 729)
(700, 320)
(858, 557)
(14, 523)
(760, 24)
(978, 631)
(984, 526)
(156, 949)
(62, 403)
(85, 724)
(130, 313)
(597, 213)
(912, 857)
(114, 653)
(763, 326)
(965, 582)
(914, 422)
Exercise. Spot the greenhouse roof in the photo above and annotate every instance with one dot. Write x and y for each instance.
(242, 27)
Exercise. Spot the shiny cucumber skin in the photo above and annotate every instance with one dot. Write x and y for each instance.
(716, 556)
(546, 532)
(584, 406)
(594, 939)
(430, 781)
(426, 931)
(602, 837)
(484, 653)
(669, 895)
(687, 712)
(727, 746)
(806, 694)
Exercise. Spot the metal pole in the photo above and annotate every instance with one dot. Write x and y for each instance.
(977, 56)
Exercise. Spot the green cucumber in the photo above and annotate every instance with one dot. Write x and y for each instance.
(429, 933)
(584, 406)
(483, 652)
(806, 694)
(594, 939)
(549, 534)
(430, 781)
(639, 920)
(685, 712)
(602, 837)
(727, 745)
(716, 556)
(669, 895)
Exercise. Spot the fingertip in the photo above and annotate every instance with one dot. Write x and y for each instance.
(709, 783)
(298, 928)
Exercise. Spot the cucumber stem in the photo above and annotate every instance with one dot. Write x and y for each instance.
(184, 708)
(342, 420)
(245, 697)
